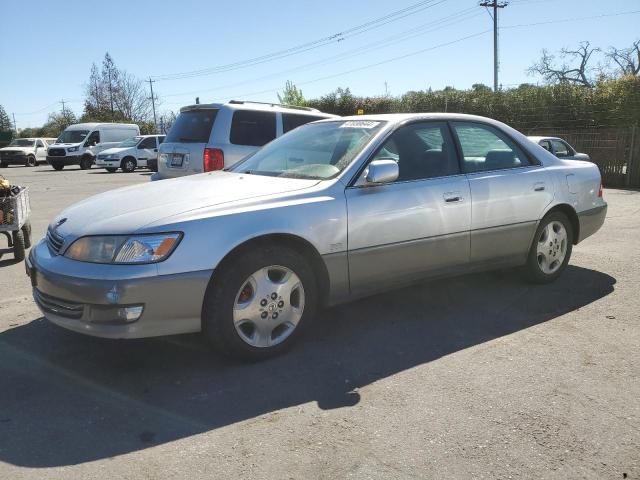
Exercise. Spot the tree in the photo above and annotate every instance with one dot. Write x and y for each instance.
(57, 122)
(574, 68)
(131, 100)
(5, 122)
(627, 59)
(291, 95)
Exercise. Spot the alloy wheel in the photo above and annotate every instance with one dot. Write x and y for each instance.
(552, 247)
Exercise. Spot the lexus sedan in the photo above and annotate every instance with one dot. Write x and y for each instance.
(333, 210)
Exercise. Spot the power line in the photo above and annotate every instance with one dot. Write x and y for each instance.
(575, 19)
(334, 38)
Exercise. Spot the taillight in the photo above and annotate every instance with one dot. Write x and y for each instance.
(600, 190)
(213, 159)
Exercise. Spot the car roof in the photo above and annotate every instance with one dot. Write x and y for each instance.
(91, 125)
(395, 118)
(264, 106)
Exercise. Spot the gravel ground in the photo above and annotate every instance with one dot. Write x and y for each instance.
(482, 376)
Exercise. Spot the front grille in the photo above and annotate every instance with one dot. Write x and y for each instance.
(54, 240)
(57, 306)
(57, 152)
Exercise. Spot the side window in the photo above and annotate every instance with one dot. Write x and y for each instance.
(422, 150)
(93, 139)
(253, 128)
(149, 142)
(560, 148)
(484, 148)
(39, 144)
(546, 144)
(294, 120)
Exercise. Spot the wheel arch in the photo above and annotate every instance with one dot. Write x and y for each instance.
(571, 214)
(299, 244)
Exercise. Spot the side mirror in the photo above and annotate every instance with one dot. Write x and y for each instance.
(382, 171)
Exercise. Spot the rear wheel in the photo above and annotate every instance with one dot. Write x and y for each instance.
(57, 166)
(26, 232)
(18, 245)
(31, 161)
(551, 249)
(257, 305)
(86, 162)
(128, 164)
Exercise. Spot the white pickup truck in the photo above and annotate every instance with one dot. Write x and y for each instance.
(25, 151)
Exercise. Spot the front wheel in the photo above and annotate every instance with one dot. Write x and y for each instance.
(128, 165)
(86, 162)
(31, 161)
(57, 166)
(257, 304)
(551, 249)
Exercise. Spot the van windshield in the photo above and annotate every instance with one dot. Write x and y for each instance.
(192, 126)
(72, 136)
(130, 142)
(314, 151)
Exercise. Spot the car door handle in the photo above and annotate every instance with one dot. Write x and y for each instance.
(538, 187)
(452, 197)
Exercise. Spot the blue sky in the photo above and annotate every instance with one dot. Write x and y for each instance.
(47, 48)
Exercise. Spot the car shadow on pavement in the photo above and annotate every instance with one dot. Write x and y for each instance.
(68, 399)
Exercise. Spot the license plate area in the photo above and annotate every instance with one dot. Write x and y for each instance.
(177, 160)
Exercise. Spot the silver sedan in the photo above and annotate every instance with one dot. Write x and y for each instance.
(333, 210)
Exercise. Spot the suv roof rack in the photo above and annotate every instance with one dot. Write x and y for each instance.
(294, 107)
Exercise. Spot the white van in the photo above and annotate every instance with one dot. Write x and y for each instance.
(134, 152)
(80, 143)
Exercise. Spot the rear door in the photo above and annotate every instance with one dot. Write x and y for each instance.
(509, 192)
(182, 151)
(417, 225)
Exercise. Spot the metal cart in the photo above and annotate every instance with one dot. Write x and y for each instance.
(15, 224)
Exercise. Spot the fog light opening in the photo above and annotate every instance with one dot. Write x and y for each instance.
(130, 314)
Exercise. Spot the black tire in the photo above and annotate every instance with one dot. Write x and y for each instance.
(533, 269)
(128, 164)
(111, 169)
(217, 311)
(18, 245)
(57, 166)
(86, 162)
(4, 165)
(31, 161)
(26, 231)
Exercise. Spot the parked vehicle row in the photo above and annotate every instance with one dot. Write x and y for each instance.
(80, 143)
(136, 152)
(334, 210)
(25, 151)
(559, 148)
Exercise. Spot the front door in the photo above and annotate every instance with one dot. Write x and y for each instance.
(147, 149)
(41, 151)
(509, 193)
(417, 225)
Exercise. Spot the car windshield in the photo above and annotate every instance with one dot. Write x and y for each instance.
(130, 142)
(22, 142)
(315, 151)
(72, 136)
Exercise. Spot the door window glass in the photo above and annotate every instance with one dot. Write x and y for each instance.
(253, 128)
(560, 148)
(149, 142)
(294, 120)
(484, 148)
(546, 144)
(39, 144)
(422, 150)
(93, 139)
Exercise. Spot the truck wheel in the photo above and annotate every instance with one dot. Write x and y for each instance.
(86, 162)
(31, 161)
(26, 231)
(128, 164)
(111, 169)
(57, 166)
(4, 165)
(18, 245)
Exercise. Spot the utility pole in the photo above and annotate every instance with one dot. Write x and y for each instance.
(495, 4)
(153, 104)
(62, 102)
(15, 128)
(110, 93)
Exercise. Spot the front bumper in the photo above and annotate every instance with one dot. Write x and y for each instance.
(89, 298)
(102, 163)
(14, 159)
(591, 220)
(64, 160)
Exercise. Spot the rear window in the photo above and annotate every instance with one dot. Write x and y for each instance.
(192, 126)
(293, 120)
(252, 128)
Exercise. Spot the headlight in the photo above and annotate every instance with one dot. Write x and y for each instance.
(121, 249)
(72, 149)
(112, 156)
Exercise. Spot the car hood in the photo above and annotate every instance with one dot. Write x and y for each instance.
(66, 145)
(16, 149)
(112, 150)
(129, 209)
